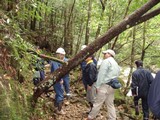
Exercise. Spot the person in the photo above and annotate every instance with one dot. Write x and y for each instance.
(154, 97)
(141, 80)
(83, 65)
(108, 70)
(90, 77)
(63, 84)
(39, 73)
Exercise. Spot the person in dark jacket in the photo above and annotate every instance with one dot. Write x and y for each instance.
(154, 97)
(90, 77)
(141, 80)
(83, 65)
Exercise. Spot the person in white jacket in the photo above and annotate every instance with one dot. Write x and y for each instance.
(109, 70)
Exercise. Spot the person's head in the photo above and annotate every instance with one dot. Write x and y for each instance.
(108, 53)
(60, 53)
(83, 46)
(139, 63)
(89, 58)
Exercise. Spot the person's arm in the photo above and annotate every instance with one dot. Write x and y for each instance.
(150, 77)
(92, 75)
(134, 85)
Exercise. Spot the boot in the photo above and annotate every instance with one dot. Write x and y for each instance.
(60, 111)
(91, 106)
(136, 110)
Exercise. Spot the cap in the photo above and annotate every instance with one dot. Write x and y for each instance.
(109, 51)
(83, 46)
(61, 51)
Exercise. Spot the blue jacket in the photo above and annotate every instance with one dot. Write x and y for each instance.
(90, 73)
(154, 96)
(142, 79)
(56, 65)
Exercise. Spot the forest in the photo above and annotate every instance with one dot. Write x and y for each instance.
(129, 27)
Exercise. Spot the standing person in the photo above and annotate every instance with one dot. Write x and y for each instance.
(39, 73)
(90, 77)
(63, 84)
(66, 80)
(83, 65)
(141, 80)
(109, 70)
(154, 97)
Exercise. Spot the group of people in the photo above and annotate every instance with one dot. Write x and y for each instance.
(96, 83)
(146, 88)
(98, 90)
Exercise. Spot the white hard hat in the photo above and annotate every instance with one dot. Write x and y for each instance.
(61, 51)
(83, 46)
(109, 51)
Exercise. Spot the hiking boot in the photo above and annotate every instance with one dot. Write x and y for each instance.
(60, 112)
(136, 110)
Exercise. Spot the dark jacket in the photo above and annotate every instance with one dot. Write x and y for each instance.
(142, 79)
(90, 73)
(154, 96)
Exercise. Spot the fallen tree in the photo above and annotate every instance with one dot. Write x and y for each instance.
(135, 18)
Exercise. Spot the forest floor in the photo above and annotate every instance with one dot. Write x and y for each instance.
(78, 107)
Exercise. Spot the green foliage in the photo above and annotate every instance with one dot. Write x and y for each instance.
(20, 57)
(14, 103)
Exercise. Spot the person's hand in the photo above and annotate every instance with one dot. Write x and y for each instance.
(61, 82)
(97, 90)
(88, 87)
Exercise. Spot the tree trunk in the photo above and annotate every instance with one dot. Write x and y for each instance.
(126, 12)
(88, 22)
(132, 61)
(68, 37)
(102, 14)
(33, 23)
(144, 41)
(80, 34)
(128, 22)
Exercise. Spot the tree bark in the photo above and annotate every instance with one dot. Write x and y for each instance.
(144, 40)
(128, 22)
(88, 22)
(132, 61)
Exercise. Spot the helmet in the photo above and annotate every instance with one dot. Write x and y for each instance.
(83, 46)
(61, 51)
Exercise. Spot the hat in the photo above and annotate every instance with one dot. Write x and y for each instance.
(109, 51)
(61, 51)
(83, 46)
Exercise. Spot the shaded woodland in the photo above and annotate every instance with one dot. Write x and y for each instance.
(130, 27)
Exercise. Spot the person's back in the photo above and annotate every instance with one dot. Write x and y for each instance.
(141, 79)
(154, 96)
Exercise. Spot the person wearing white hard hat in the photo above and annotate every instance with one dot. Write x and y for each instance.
(109, 70)
(58, 86)
(61, 55)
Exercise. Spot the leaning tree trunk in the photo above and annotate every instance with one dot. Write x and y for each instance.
(130, 21)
